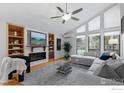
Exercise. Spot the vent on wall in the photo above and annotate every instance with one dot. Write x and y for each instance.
(68, 36)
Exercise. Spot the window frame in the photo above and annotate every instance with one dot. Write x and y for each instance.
(118, 44)
(91, 21)
(80, 28)
(76, 42)
(99, 43)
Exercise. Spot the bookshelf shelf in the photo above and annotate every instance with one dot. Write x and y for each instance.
(15, 40)
(51, 46)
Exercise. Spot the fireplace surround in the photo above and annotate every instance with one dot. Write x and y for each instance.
(37, 56)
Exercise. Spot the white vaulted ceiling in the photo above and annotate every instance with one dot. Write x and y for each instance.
(37, 15)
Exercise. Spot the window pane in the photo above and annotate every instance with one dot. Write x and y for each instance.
(80, 44)
(112, 17)
(108, 46)
(94, 42)
(81, 29)
(94, 24)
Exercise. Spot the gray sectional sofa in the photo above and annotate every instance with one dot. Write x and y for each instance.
(111, 69)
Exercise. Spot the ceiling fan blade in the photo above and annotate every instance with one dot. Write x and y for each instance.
(60, 9)
(56, 17)
(77, 11)
(63, 21)
(74, 18)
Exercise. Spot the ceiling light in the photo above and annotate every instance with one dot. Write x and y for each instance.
(66, 16)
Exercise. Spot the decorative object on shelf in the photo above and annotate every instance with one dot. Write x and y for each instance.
(16, 47)
(16, 42)
(15, 33)
(67, 49)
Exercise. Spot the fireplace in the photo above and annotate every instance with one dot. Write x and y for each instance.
(37, 56)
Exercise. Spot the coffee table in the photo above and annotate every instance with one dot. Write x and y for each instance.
(64, 69)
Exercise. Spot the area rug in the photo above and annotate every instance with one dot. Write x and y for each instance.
(79, 76)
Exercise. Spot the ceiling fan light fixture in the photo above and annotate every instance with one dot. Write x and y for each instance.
(66, 17)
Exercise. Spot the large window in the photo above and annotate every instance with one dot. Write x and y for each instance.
(111, 42)
(81, 44)
(97, 34)
(81, 29)
(94, 42)
(94, 24)
(112, 17)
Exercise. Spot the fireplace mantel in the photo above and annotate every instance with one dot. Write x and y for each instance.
(34, 46)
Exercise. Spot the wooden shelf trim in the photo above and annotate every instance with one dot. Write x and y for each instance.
(51, 46)
(15, 54)
(15, 44)
(16, 49)
(12, 36)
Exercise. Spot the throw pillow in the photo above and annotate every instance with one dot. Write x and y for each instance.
(104, 56)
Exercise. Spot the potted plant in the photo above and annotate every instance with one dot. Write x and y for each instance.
(67, 49)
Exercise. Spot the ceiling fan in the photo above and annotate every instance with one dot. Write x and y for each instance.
(66, 16)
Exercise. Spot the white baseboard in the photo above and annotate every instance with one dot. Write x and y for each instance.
(34, 63)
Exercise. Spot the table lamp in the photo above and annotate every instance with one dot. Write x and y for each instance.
(113, 42)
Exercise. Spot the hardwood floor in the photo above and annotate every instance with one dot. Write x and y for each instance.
(14, 80)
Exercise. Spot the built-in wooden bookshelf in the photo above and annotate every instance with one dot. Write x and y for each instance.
(15, 40)
(51, 46)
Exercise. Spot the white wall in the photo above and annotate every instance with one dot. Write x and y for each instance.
(58, 54)
(3, 39)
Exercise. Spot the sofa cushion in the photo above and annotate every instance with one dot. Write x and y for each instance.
(82, 60)
(108, 73)
(120, 71)
(92, 54)
(95, 68)
(114, 64)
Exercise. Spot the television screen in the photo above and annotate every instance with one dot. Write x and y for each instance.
(38, 38)
(58, 44)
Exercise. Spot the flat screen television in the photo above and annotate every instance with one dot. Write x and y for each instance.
(37, 38)
(58, 44)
